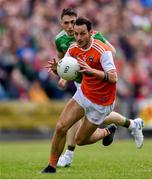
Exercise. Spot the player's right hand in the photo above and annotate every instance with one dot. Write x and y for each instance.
(52, 66)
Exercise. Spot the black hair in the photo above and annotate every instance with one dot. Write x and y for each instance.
(69, 12)
(82, 21)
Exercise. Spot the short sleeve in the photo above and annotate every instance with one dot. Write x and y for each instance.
(107, 61)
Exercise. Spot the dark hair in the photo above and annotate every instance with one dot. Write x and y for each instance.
(82, 21)
(69, 12)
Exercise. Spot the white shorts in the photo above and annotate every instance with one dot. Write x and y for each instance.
(95, 113)
(77, 85)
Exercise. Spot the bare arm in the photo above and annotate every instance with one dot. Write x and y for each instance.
(60, 55)
(112, 75)
(108, 74)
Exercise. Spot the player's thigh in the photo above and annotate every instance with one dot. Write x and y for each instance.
(72, 113)
(86, 129)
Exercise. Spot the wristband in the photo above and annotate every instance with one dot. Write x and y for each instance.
(106, 77)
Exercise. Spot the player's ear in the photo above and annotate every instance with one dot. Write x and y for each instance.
(91, 32)
(61, 23)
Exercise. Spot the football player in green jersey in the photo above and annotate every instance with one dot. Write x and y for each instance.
(62, 41)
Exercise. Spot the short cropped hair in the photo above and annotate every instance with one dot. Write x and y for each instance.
(82, 21)
(69, 12)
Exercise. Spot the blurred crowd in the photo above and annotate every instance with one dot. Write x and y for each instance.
(27, 32)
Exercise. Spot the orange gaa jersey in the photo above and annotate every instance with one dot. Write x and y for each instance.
(97, 91)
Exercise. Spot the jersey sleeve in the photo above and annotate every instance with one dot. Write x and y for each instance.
(100, 37)
(107, 61)
(57, 45)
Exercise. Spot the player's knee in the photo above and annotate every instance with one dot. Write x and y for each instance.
(61, 129)
(79, 141)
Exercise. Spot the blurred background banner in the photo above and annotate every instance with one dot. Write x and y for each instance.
(145, 111)
(27, 32)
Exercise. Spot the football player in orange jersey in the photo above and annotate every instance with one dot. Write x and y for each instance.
(94, 99)
(62, 42)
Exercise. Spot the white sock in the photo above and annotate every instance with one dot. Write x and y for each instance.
(69, 153)
(132, 124)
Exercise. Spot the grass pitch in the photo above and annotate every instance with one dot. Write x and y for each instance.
(22, 160)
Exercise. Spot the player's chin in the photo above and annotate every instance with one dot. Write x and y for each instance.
(80, 44)
(71, 33)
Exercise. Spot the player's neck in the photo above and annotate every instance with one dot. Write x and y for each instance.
(87, 46)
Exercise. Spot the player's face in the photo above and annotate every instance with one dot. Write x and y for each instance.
(82, 36)
(67, 24)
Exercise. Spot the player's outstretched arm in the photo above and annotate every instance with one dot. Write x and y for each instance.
(60, 55)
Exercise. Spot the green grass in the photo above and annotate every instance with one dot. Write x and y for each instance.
(120, 160)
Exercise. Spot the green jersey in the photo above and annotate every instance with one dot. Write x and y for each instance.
(63, 42)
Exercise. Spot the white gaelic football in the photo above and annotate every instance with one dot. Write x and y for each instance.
(68, 68)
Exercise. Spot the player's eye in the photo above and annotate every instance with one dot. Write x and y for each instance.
(82, 34)
(72, 22)
(76, 34)
(66, 23)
